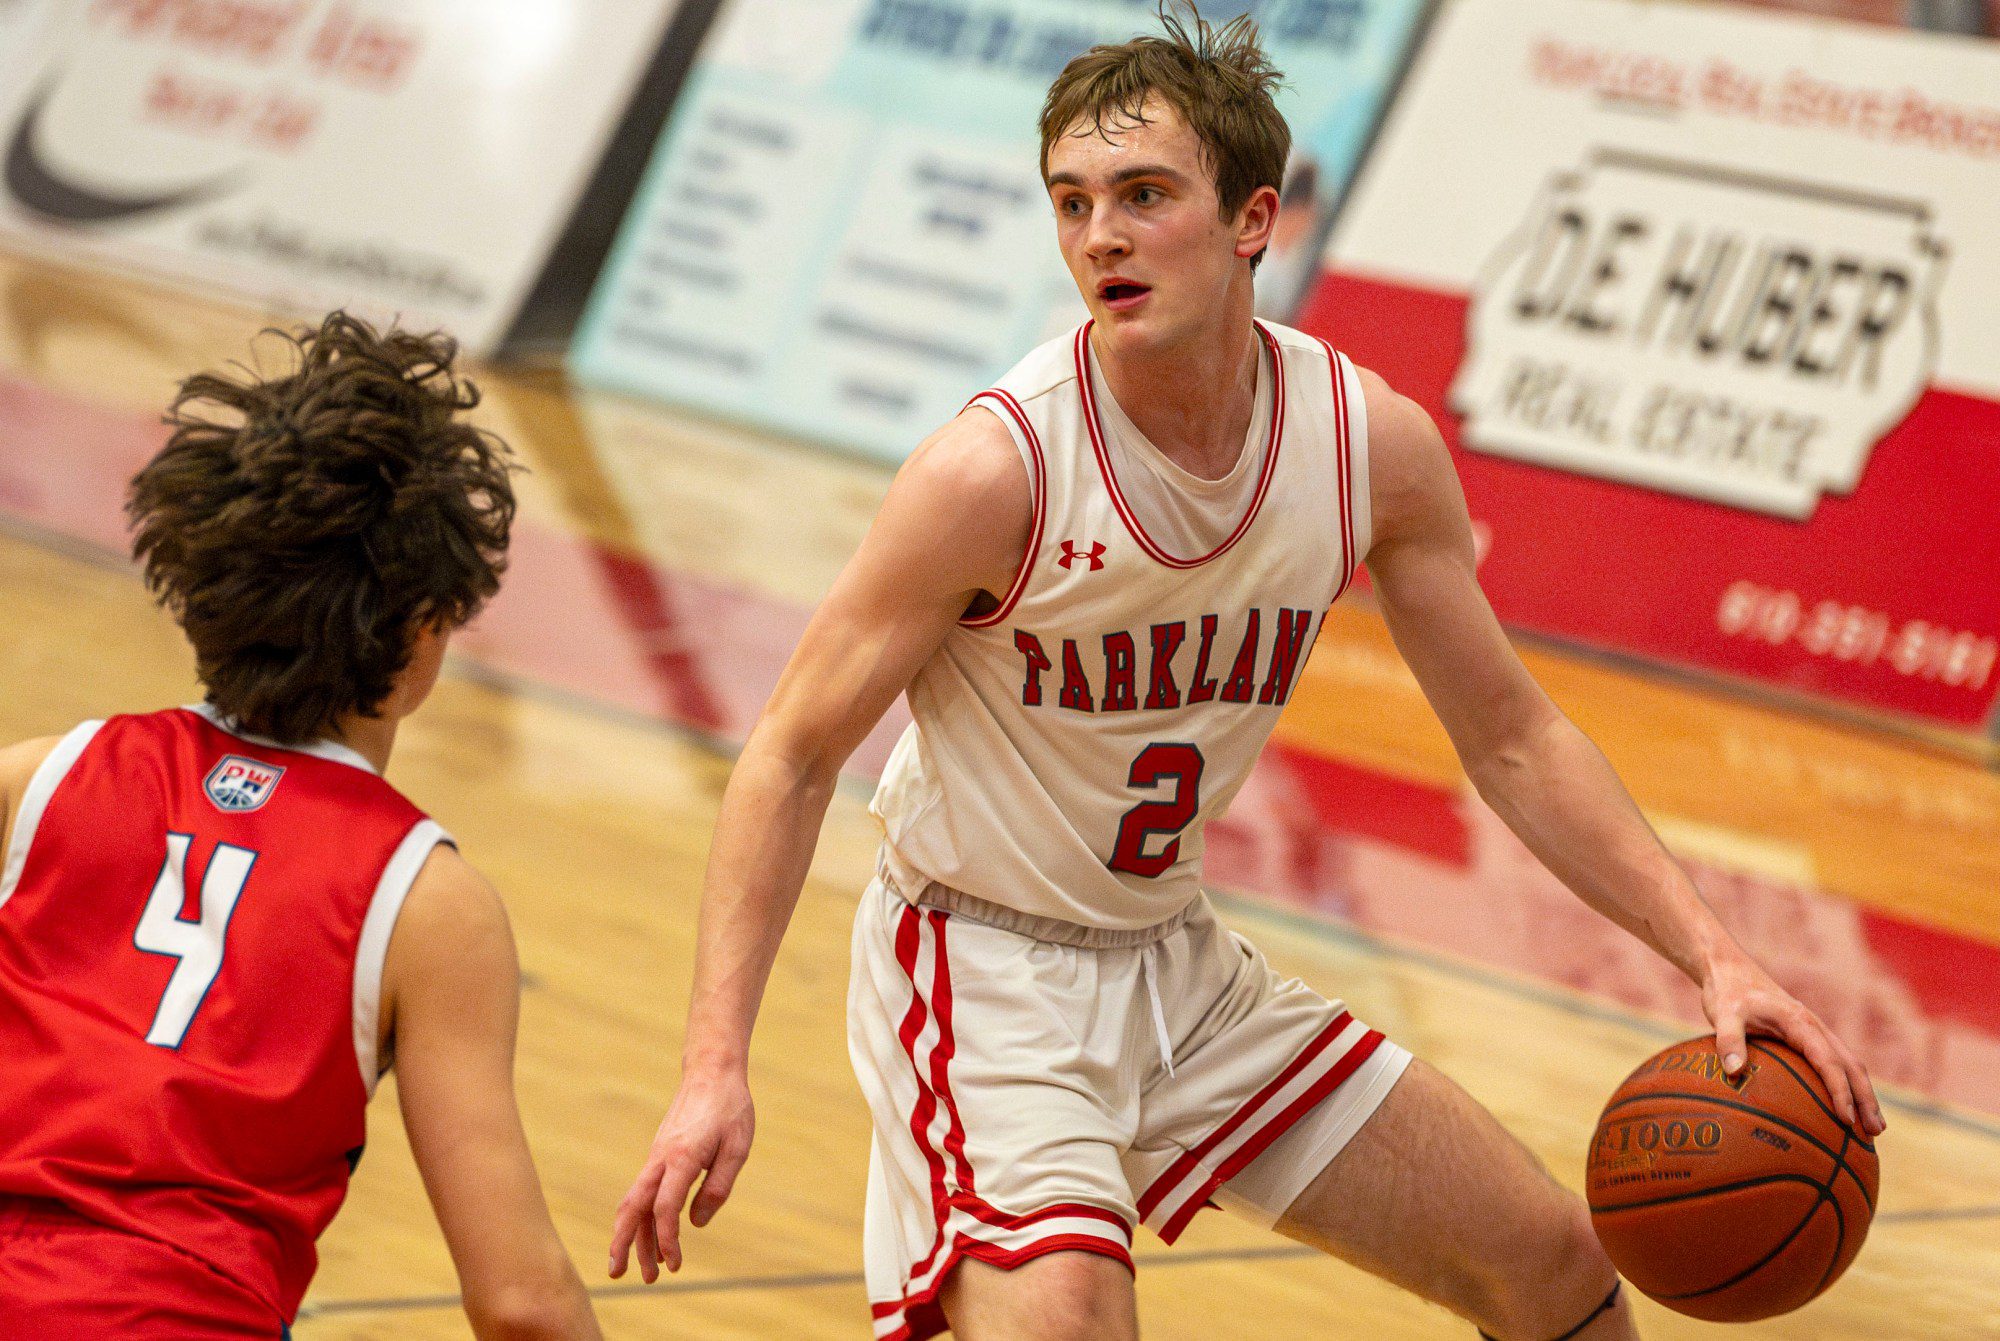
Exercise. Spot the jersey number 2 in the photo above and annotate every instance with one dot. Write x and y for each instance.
(196, 944)
(1154, 819)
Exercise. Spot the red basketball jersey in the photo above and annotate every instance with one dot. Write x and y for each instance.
(192, 930)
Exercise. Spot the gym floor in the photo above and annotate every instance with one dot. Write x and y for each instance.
(578, 747)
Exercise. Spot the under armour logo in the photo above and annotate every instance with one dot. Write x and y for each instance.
(1094, 556)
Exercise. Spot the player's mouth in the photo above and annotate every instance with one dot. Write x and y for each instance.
(1119, 294)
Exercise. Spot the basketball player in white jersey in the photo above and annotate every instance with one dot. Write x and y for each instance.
(1097, 585)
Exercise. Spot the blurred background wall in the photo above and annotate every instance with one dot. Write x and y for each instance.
(1715, 276)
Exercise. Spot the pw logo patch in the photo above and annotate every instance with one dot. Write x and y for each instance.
(1071, 555)
(238, 784)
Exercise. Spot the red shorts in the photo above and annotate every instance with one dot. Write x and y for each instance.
(65, 1278)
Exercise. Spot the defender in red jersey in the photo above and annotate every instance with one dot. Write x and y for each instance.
(217, 924)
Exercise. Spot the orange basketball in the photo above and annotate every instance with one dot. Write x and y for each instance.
(1729, 1198)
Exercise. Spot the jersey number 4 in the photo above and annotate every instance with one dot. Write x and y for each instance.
(198, 942)
(1150, 820)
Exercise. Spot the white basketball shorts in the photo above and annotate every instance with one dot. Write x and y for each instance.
(1023, 1104)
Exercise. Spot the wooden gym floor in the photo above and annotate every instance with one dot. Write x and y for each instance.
(579, 745)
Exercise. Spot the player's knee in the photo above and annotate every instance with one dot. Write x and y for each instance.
(1081, 1301)
(1065, 1296)
(1560, 1274)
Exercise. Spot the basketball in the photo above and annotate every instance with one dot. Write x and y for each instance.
(1729, 1198)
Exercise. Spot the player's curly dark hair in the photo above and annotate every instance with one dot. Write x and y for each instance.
(302, 527)
(1217, 78)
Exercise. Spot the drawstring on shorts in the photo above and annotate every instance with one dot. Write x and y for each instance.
(1151, 975)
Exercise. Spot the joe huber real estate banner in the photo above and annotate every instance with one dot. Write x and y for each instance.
(1707, 302)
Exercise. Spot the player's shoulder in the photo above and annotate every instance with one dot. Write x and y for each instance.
(452, 891)
(966, 487)
(450, 908)
(1314, 362)
(1322, 351)
(1396, 423)
(974, 448)
(1302, 347)
(1412, 480)
(452, 939)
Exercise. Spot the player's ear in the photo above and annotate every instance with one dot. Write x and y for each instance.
(427, 640)
(1256, 221)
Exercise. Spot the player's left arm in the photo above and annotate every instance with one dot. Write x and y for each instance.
(1541, 774)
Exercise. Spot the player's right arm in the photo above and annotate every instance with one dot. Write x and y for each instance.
(954, 524)
(451, 1000)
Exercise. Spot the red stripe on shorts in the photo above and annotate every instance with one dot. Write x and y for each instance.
(1186, 1164)
(999, 1219)
(946, 1049)
(1271, 1131)
(929, 1320)
(908, 943)
(922, 1316)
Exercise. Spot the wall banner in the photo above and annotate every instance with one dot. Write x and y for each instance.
(844, 233)
(412, 157)
(1707, 303)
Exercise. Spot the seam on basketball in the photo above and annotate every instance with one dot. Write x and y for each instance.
(1762, 1262)
(1810, 1093)
(1762, 1181)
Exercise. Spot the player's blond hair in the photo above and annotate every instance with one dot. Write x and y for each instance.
(1218, 79)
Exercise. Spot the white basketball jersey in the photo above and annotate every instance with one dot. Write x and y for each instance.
(1069, 746)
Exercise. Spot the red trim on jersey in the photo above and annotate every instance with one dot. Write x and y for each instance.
(1131, 518)
(1349, 560)
(1180, 1168)
(1038, 481)
(1363, 1049)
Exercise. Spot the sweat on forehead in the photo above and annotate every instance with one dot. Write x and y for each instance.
(1117, 129)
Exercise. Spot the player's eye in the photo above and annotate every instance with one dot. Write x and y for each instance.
(1146, 195)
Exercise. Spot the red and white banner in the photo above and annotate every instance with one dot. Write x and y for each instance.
(1707, 303)
(401, 157)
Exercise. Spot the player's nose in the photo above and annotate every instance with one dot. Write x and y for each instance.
(1104, 234)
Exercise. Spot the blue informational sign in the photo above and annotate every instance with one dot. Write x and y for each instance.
(844, 235)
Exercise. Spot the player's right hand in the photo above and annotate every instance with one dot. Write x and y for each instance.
(707, 1130)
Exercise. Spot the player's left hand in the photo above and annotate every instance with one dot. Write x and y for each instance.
(1741, 999)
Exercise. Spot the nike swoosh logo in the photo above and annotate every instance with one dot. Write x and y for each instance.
(39, 188)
